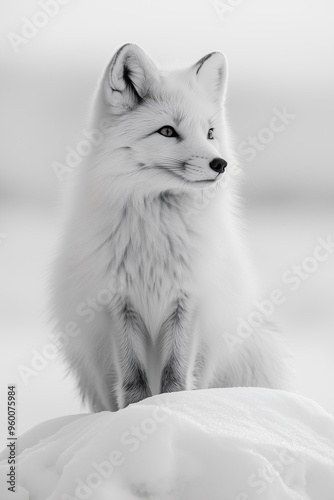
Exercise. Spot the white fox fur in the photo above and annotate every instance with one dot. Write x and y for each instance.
(152, 277)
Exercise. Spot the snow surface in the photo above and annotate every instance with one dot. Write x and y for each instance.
(215, 444)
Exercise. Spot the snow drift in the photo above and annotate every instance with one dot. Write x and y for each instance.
(214, 444)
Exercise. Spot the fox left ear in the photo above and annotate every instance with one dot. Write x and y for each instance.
(129, 78)
(211, 74)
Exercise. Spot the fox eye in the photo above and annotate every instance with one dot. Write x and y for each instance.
(167, 131)
(210, 133)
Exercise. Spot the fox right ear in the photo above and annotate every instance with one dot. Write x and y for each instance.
(130, 76)
(211, 73)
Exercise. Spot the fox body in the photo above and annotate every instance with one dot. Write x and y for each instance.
(152, 280)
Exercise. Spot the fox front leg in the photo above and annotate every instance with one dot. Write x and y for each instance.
(131, 339)
(177, 346)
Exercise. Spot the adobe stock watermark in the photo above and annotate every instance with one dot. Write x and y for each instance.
(30, 28)
(130, 442)
(293, 278)
(75, 155)
(40, 358)
(227, 7)
(266, 475)
(280, 120)
(247, 149)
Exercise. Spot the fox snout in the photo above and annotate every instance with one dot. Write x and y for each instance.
(218, 165)
(201, 168)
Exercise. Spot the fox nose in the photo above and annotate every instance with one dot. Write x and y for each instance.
(218, 165)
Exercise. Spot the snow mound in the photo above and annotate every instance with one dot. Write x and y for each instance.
(215, 444)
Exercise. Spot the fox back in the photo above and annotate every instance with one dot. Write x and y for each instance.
(152, 281)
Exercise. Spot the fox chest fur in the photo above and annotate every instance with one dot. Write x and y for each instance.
(151, 254)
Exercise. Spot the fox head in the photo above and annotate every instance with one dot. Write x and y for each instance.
(166, 129)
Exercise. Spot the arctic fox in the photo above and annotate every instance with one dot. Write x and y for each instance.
(153, 286)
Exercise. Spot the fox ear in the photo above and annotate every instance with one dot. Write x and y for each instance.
(129, 78)
(211, 74)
